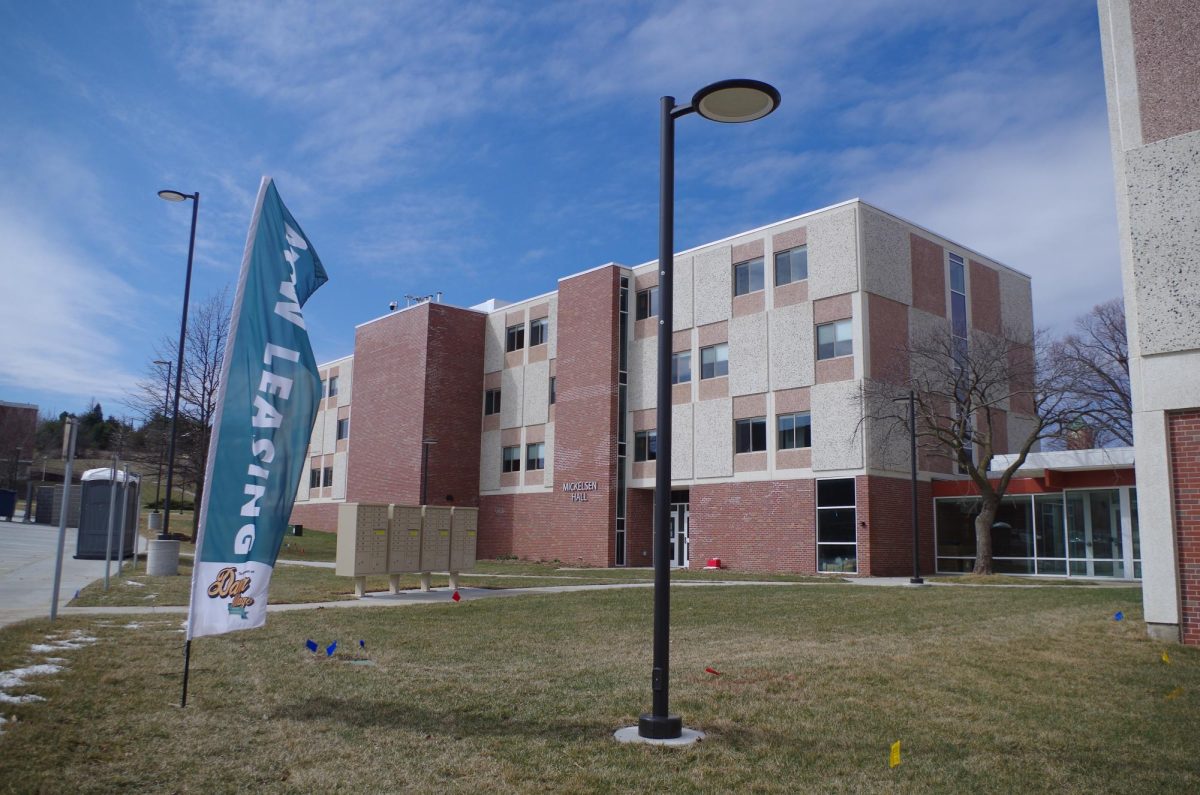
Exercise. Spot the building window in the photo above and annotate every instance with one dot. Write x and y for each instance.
(491, 401)
(837, 537)
(333, 386)
(795, 430)
(750, 435)
(553, 389)
(714, 361)
(343, 429)
(314, 478)
(748, 276)
(681, 367)
(834, 339)
(327, 479)
(647, 303)
(645, 446)
(791, 265)
(535, 456)
(539, 331)
(512, 459)
(514, 338)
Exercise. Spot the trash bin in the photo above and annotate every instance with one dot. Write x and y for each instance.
(8, 503)
(296, 529)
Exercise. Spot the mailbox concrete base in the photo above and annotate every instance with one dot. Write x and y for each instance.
(454, 581)
(162, 558)
(425, 578)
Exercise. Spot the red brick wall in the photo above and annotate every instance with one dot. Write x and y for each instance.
(928, 275)
(453, 397)
(389, 401)
(762, 526)
(1183, 447)
(316, 516)
(885, 504)
(887, 323)
(639, 528)
(550, 526)
(985, 298)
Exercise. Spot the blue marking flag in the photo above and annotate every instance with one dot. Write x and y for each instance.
(1118, 616)
(269, 395)
(362, 644)
(330, 649)
(311, 645)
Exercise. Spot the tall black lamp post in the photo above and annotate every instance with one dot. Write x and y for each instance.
(176, 196)
(911, 400)
(728, 101)
(166, 406)
(425, 445)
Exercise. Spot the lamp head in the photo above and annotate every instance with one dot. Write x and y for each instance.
(173, 195)
(736, 101)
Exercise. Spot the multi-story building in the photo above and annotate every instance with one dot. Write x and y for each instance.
(1152, 76)
(542, 412)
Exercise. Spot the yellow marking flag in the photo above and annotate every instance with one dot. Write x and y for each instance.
(894, 758)
(1174, 694)
(1166, 658)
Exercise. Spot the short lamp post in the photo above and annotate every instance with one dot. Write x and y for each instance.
(911, 400)
(176, 196)
(731, 102)
(425, 445)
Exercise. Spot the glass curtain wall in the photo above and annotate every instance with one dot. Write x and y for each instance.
(1079, 533)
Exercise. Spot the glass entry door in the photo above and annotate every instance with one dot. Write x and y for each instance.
(1094, 533)
(679, 535)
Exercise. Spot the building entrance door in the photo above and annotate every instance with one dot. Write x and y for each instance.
(1094, 533)
(679, 535)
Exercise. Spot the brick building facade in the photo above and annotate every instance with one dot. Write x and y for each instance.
(542, 411)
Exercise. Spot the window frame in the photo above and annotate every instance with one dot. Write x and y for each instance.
(327, 478)
(333, 386)
(514, 338)
(314, 477)
(818, 507)
(780, 431)
(343, 429)
(789, 252)
(716, 364)
(645, 445)
(755, 430)
(491, 402)
(539, 331)
(836, 326)
(753, 275)
(676, 358)
(646, 303)
(553, 390)
(510, 459)
(533, 464)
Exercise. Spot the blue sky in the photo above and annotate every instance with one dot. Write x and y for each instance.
(487, 148)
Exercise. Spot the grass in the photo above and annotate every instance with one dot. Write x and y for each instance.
(1030, 690)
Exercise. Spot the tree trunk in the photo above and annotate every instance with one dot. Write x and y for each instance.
(983, 535)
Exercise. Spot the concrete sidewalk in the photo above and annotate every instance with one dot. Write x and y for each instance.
(27, 553)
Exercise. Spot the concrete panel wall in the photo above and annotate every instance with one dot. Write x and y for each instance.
(490, 461)
(548, 478)
(713, 292)
(682, 440)
(493, 342)
(643, 374)
(748, 354)
(1164, 206)
(837, 438)
(713, 445)
(512, 397)
(684, 274)
(339, 476)
(345, 382)
(1016, 305)
(552, 318)
(536, 394)
(1019, 428)
(832, 254)
(791, 346)
(887, 256)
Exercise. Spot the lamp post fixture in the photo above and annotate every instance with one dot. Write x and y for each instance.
(730, 102)
(425, 445)
(911, 400)
(166, 405)
(176, 196)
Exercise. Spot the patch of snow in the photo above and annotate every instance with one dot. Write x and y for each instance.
(5, 698)
(133, 625)
(135, 584)
(17, 676)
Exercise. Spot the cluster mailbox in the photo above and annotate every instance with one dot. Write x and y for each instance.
(400, 539)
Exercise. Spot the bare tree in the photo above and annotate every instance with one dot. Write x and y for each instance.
(1097, 353)
(204, 353)
(965, 391)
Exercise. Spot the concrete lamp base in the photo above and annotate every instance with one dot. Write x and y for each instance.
(162, 558)
(687, 737)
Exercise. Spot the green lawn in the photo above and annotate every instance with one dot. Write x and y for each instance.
(988, 690)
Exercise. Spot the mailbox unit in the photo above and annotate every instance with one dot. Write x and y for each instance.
(464, 523)
(362, 539)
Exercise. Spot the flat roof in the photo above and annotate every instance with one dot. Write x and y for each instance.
(1068, 460)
